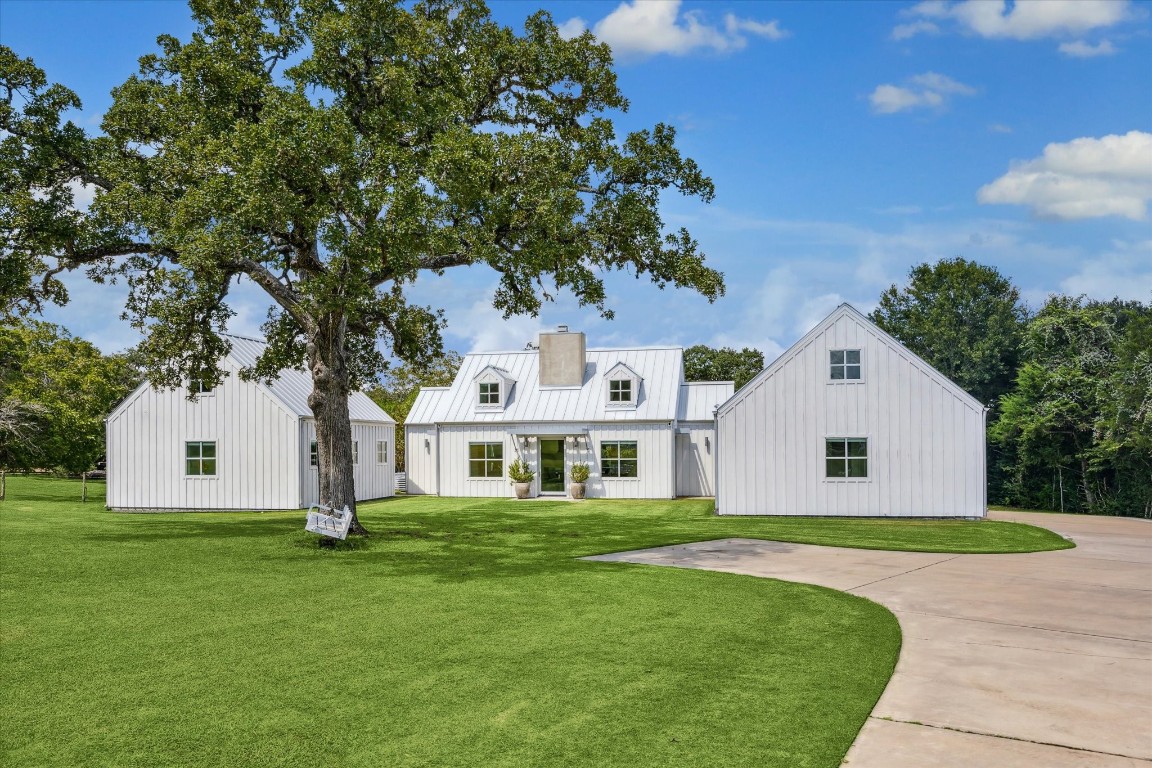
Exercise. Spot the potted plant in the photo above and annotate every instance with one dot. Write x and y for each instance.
(520, 475)
(579, 475)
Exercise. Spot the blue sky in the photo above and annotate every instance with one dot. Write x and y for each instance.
(847, 141)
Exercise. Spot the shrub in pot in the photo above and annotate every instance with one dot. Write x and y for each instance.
(520, 475)
(579, 477)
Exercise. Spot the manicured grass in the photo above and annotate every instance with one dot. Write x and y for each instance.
(464, 633)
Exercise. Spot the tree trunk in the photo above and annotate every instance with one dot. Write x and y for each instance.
(329, 403)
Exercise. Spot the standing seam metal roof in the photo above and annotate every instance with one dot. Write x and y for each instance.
(660, 369)
(292, 387)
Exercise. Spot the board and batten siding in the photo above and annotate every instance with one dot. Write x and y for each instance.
(256, 445)
(373, 479)
(926, 451)
(695, 460)
(448, 446)
(421, 446)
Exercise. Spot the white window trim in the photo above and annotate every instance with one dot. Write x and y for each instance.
(828, 366)
(381, 444)
(824, 459)
(313, 450)
(204, 393)
(468, 461)
(184, 458)
(631, 392)
(355, 452)
(614, 478)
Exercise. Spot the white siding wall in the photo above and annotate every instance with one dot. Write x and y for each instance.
(695, 459)
(420, 456)
(373, 480)
(256, 444)
(654, 445)
(925, 443)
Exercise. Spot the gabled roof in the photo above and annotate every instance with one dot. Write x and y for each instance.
(660, 368)
(855, 314)
(699, 399)
(292, 387)
(499, 373)
(622, 366)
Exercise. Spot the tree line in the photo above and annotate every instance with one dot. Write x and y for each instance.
(1068, 386)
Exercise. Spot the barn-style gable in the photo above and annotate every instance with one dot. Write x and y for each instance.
(848, 421)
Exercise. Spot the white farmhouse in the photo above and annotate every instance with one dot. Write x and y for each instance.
(850, 422)
(628, 413)
(242, 445)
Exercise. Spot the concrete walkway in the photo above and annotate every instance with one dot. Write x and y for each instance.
(1041, 660)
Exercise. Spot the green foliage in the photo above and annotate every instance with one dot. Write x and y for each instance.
(1080, 416)
(520, 472)
(703, 363)
(965, 319)
(332, 153)
(400, 384)
(580, 472)
(67, 387)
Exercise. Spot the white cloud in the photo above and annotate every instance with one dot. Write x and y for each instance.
(82, 195)
(1078, 49)
(920, 27)
(1124, 272)
(929, 90)
(999, 128)
(1082, 178)
(642, 28)
(574, 27)
(1022, 20)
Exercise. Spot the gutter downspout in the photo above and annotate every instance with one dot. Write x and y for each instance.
(716, 459)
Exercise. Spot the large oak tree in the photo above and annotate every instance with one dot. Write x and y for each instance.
(333, 152)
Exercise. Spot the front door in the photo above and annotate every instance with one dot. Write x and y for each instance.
(551, 466)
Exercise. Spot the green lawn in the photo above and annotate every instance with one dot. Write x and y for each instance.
(464, 633)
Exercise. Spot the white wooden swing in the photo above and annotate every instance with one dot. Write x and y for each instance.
(326, 521)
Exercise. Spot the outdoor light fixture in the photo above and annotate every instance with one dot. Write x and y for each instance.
(707, 442)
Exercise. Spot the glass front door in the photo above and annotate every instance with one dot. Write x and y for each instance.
(551, 466)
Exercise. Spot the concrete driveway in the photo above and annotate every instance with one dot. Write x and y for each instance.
(1041, 660)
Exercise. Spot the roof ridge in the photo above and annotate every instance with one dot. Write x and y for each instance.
(245, 338)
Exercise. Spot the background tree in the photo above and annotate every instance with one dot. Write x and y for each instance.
(1078, 418)
(703, 363)
(64, 388)
(403, 140)
(400, 384)
(965, 319)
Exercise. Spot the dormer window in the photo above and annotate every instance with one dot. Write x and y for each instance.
(620, 391)
(489, 393)
(493, 388)
(621, 387)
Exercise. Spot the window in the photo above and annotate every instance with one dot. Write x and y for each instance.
(355, 451)
(198, 387)
(846, 457)
(618, 458)
(845, 364)
(381, 451)
(489, 393)
(314, 457)
(486, 460)
(200, 458)
(620, 391)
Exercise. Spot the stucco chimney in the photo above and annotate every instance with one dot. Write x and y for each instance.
(562, 358)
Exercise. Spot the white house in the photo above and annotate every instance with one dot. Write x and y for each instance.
(850, 422)
(242, 445)
(627, 413)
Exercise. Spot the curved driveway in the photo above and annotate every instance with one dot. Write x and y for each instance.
(1041, 660)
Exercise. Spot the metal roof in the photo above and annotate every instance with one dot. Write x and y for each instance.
(659, 368)
(699, 399)
(292, 387)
